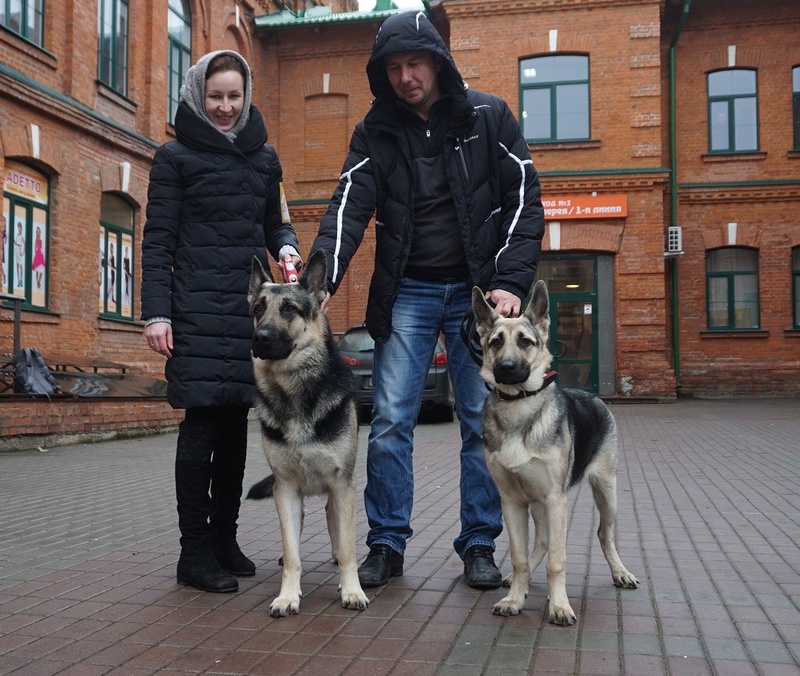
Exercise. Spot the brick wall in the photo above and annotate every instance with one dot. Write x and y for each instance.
(26, 423)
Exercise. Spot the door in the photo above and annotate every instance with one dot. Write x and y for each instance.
(572, 340)
(571, 282)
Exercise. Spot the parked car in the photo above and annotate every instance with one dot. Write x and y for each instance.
(358, 348)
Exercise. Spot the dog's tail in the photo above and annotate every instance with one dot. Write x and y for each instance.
(262, 490)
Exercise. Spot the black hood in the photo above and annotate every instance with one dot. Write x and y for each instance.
(410, 32)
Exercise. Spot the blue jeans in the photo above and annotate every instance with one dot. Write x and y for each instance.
(423, 310)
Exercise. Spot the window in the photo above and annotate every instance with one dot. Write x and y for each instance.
(112, 51)
(180, 51)
(796, 105)
(26, 234)
(554, 97)
(24, 17)
(732, 111)
(732, 289)
(796, 286)
(116, 258)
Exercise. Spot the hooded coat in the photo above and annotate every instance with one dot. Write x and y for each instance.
(213, 204)
(495, 187)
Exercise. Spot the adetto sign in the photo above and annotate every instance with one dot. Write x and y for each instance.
(585, 206)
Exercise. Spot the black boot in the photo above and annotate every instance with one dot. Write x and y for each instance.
(381, 563)
(227, 473)
(480, 571)
(197, 565)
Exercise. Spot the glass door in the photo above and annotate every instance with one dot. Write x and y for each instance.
(573, 319)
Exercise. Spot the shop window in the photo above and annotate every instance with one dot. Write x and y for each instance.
(732, 111)
(112, 50)
(732, 289)
(796, 105)
(116, 258)
(554, 98)
(796, 287)
(24, 17)
(180, 51)
(26, 234)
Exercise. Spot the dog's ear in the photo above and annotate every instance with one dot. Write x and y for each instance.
(485, 316)
(258, 275)
(315, 275)
(538, 310)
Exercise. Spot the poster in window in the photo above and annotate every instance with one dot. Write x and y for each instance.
(126, 308)
(20, 253)
(6, 255)
(101, 266)
(111, 275)
(39, 259)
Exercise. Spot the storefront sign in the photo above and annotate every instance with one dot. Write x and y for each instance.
(585, 206)
(25, 182)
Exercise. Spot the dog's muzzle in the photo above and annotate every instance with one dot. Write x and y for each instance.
(269, 343)
(511, 372)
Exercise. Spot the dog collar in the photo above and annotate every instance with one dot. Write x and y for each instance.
(548, 378)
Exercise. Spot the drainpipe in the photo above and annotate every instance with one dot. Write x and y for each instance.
(673, 159)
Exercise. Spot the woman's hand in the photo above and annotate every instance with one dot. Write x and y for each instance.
(159, 337)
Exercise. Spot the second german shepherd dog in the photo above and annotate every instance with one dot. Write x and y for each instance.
(307, 410)
(539, 442)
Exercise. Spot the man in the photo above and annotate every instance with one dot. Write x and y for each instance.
(458, 204)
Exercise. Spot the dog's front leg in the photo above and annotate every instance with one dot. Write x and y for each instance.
(289, 504)
(342, 530)
(560, 610)
(515, 515)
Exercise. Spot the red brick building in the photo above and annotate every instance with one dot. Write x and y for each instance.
(656, 125)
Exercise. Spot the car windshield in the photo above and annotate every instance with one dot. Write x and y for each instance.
(357, 341)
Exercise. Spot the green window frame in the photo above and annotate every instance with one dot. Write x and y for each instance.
(732, 111)
(112, 45)
(732, 289)
(25, 18)
(554, 98)
(180, 51)
(796, 105)
(116, 258)
(796, 287)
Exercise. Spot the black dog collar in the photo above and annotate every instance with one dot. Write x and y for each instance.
(548, 378)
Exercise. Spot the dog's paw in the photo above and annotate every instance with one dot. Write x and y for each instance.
(285, 605)
(562, 616)
(355, 600)
(625, 580)
(507, 606)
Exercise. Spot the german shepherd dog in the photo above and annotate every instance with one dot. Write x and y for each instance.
(307, 409)
(539, 442)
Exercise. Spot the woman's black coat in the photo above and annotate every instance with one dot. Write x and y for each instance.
(212, 205)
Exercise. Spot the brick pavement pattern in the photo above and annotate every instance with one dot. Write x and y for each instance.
(709, 521)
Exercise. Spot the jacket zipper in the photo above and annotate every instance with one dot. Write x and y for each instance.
(457, 148)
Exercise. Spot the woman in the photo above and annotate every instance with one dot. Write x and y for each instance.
(214, 202)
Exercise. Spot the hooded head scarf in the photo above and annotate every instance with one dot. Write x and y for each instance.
(193, 91)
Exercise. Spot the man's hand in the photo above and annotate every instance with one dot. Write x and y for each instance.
(506, 303)
(159, 337)
(324, 304)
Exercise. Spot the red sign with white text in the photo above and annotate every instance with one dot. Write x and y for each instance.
(585, 206)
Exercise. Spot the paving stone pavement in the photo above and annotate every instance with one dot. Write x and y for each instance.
(709, 521)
